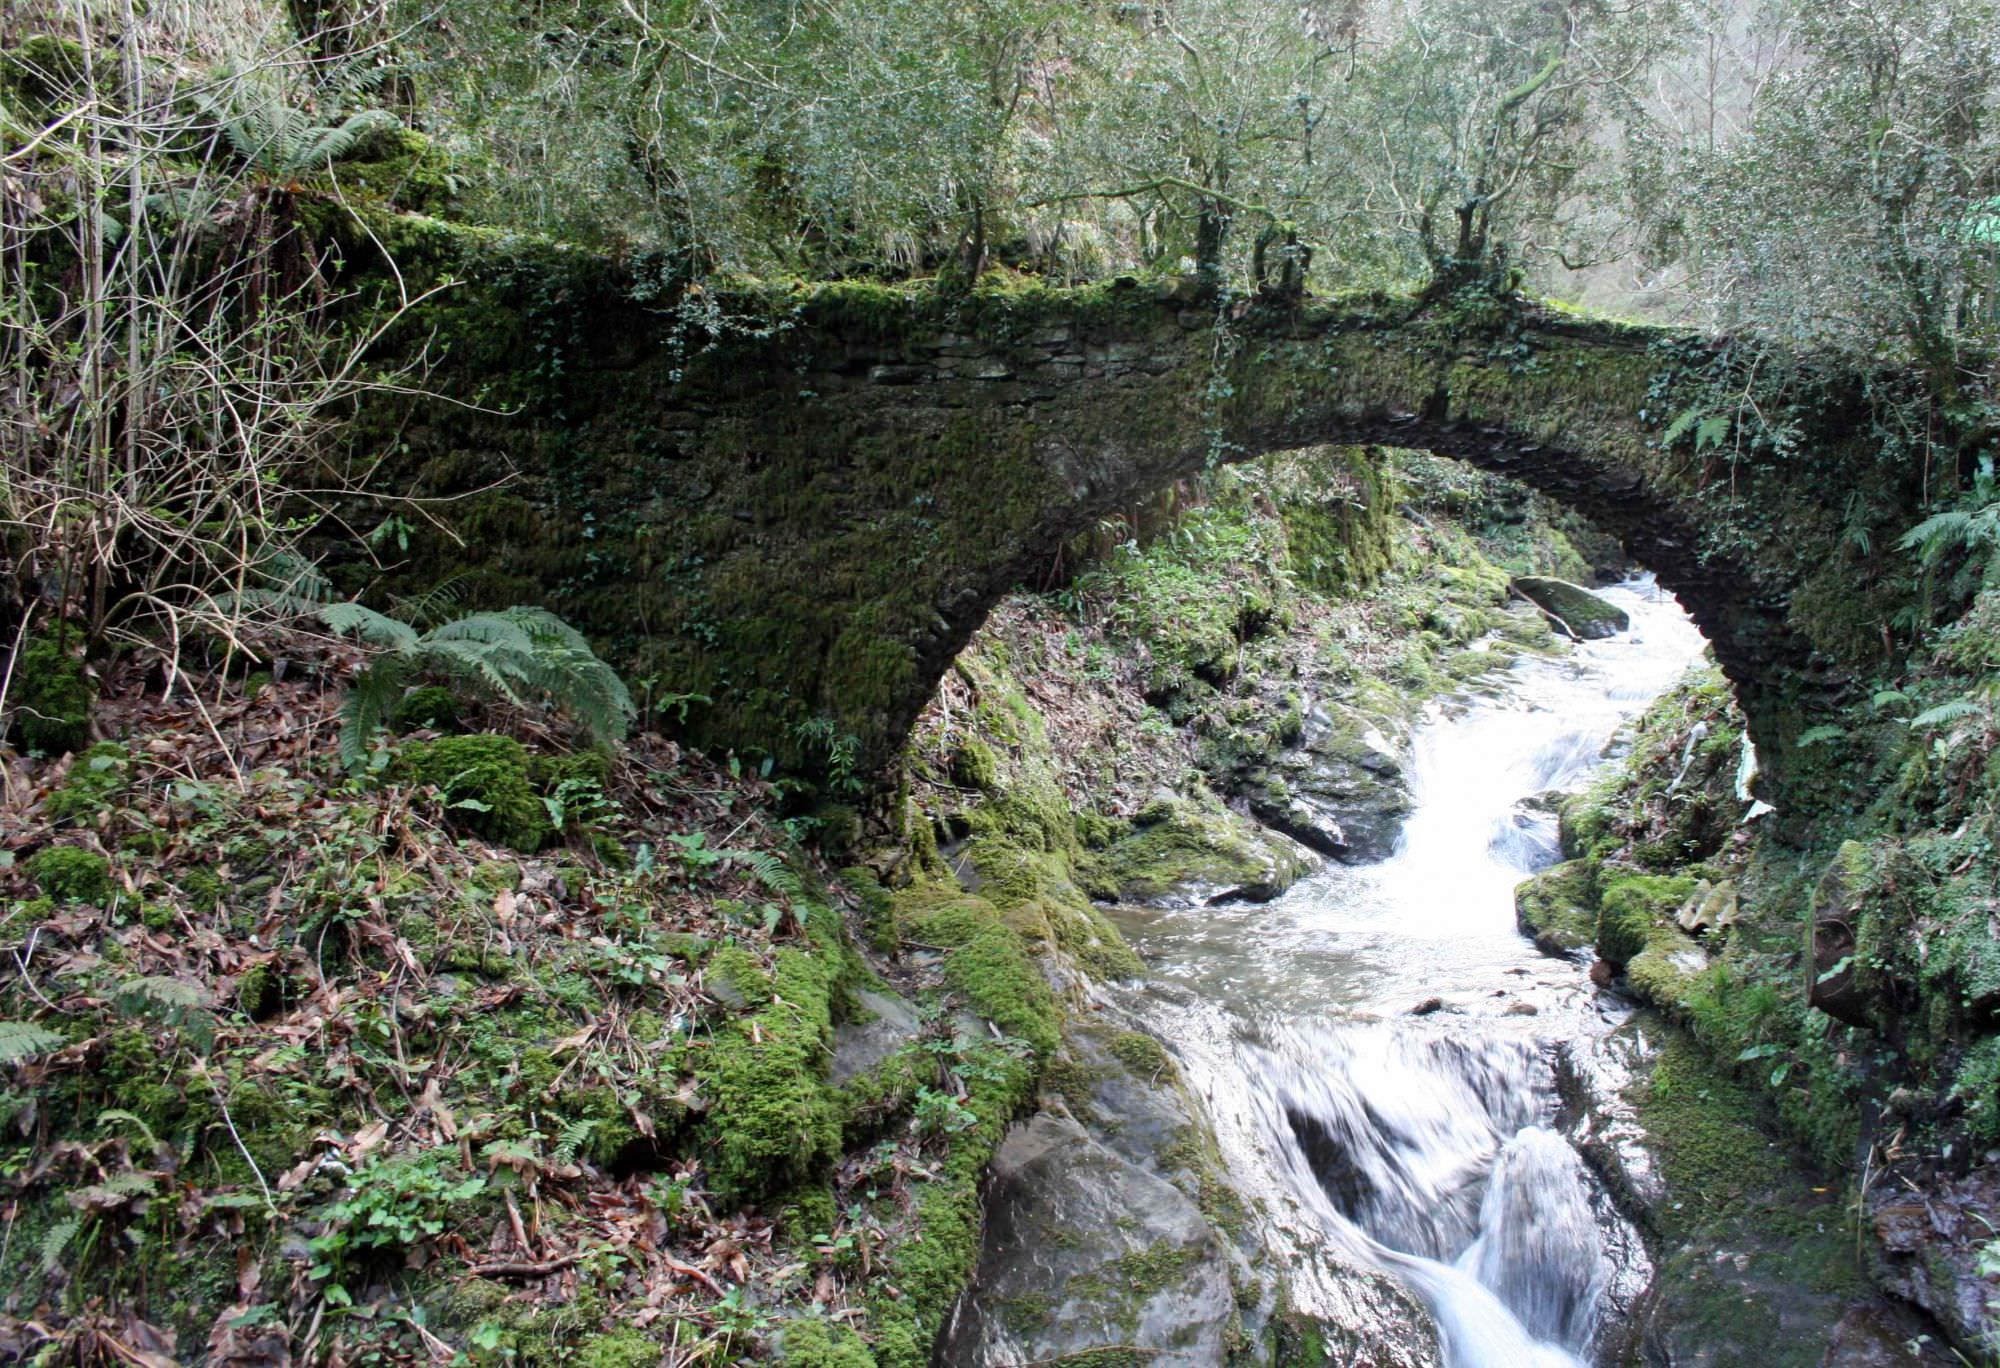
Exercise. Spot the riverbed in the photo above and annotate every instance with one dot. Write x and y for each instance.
(1375, 1047)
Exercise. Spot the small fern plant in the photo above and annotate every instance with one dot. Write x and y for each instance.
(280, 140)
(21, 1040)
(527, 657)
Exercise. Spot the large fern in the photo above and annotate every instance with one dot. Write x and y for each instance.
(281, 140)
(525, 656)
(1953, 529)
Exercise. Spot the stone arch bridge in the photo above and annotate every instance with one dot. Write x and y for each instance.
(800, 503)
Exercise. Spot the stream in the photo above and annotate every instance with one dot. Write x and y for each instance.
(1374, 1047)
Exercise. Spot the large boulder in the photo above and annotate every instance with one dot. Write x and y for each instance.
(1181, 851)
(1342, 791)
(1085, 1250)
(1583, 613)
(1557, 908)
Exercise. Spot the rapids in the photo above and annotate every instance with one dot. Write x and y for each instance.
(1374, 1045)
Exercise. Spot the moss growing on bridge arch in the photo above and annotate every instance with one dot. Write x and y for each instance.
(801, 518)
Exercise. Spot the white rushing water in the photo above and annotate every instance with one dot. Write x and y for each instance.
(1424, 1142)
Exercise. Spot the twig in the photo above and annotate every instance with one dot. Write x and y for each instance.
(690, 1271)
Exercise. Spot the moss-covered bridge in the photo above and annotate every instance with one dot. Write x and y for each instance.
(801, 503)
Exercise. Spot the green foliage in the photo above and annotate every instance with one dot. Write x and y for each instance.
(391, 1204)
(71, 874)
(49, 698)
(21, 1040)
(527, 657)
(93, 783)
(282, 141)
(431, 706)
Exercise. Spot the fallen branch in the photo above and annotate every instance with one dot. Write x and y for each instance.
(522, 1270)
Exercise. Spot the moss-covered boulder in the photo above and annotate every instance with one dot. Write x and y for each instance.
(1586, 615)
(1557, 908)
(1633, 909)
(1084, 1248)
(486, 785)
(49, 698)
(1837, 915)
(71, 874)
(1342, 791)
(1195, 849)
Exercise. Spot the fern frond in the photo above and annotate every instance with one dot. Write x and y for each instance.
(1954, 710)
(1953, 529)
(56, 1240)
(572, 1140)
(171, 994)
(315, 148)
(377, 629)
(23, 1040)
(770, 871)
(369, 702)
(130, 1183)
(113, 1115)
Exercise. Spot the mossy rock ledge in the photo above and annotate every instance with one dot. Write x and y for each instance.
(1586, 615)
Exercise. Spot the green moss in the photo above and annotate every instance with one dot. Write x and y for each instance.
(1632, 908)
(491, 876)
(738, 975)
(431, 707)
(1337, 509)
(619, 1349)
(974, 765)
(1558, 907)
(773, 1121)
(50, 697)
(818, 1344)
(484, 780)
(95, 781)
(69, 874)
(203, 887)
(1143, 1055)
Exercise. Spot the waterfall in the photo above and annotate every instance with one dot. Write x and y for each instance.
(1375, 1043)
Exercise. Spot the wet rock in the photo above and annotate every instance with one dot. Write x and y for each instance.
(1192, 850)
(1084, 1249)
(1883, 1335)
(1929, 1235)
(1557, 908)
(883, 1026)
(1342, 791)
(1428, 1006)
(1755, 1257)
(1585, 614)
(1836, 912)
